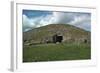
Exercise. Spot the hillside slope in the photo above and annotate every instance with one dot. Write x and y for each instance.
(70, 33)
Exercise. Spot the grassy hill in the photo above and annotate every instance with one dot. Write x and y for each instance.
(69, 33)
(73, 46)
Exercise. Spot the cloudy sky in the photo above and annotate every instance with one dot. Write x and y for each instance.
(35, 18)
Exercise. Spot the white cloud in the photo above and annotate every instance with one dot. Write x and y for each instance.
(77, 19)
(30, 23)
(27, 24)
(82, 21)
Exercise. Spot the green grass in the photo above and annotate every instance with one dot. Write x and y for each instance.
(56, 52)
